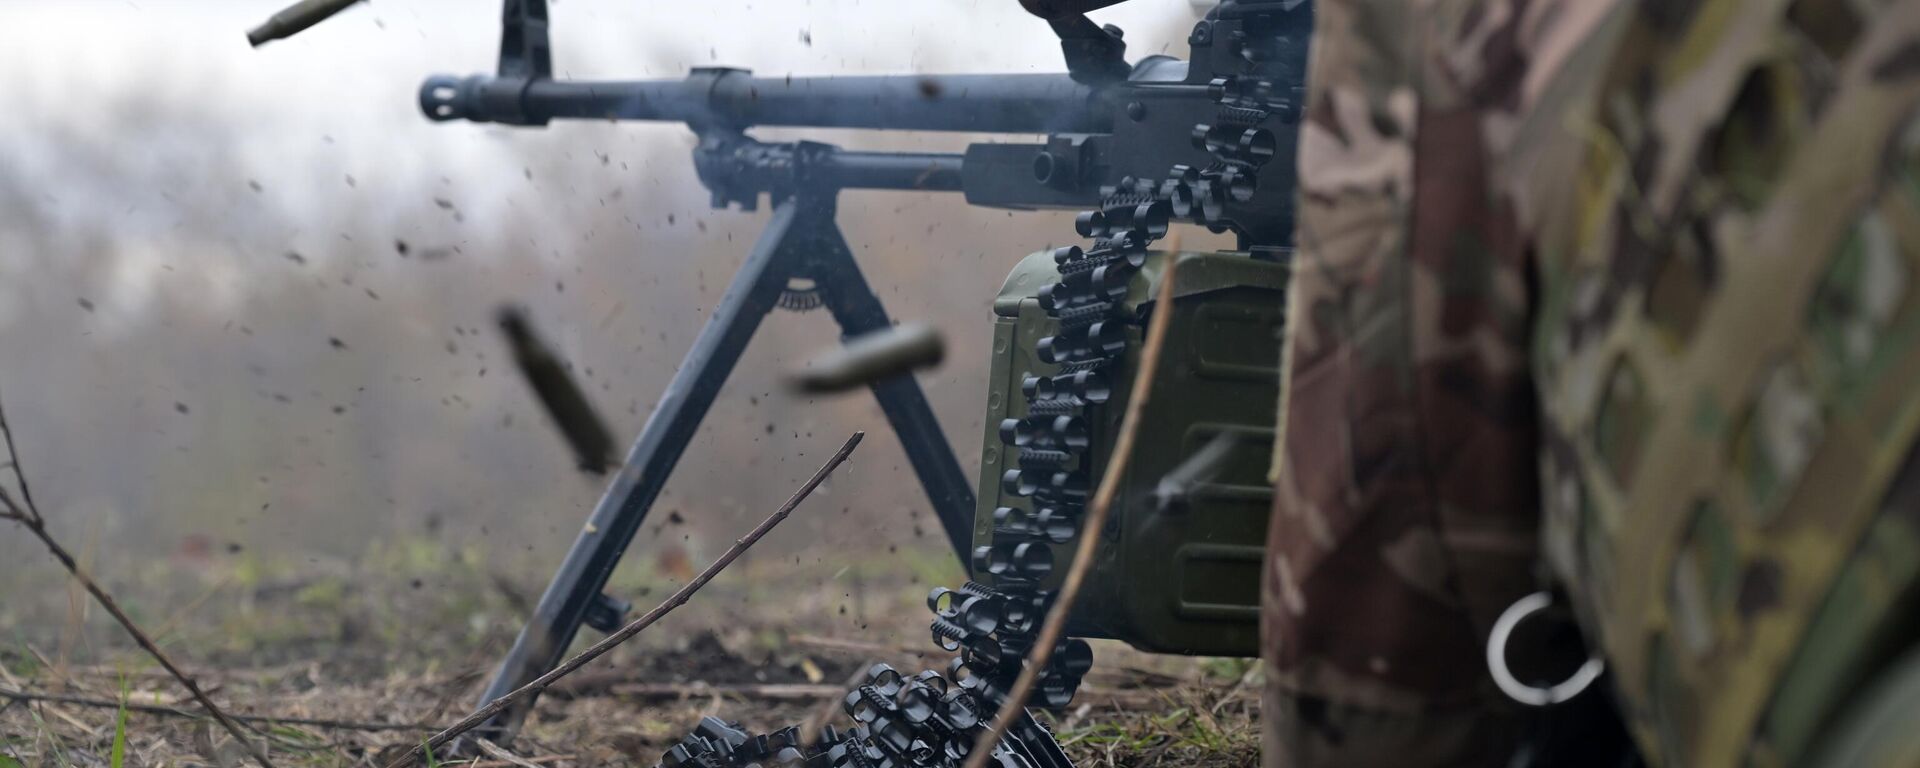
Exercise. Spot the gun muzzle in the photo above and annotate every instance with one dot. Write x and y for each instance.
(295, 18)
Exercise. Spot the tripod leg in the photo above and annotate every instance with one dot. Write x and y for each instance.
(858, 311)
(575, 589)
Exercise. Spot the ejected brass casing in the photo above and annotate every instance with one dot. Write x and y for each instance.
(872, 357)
(295, 18)
(586, 433)
(1053, 9)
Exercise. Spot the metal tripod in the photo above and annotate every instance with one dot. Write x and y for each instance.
(803, 180)
(801, 241)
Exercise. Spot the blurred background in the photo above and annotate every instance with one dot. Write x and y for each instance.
(246, 299)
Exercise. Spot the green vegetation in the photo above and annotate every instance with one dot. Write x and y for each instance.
(118, 757)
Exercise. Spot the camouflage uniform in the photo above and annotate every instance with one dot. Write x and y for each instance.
(1624, 289)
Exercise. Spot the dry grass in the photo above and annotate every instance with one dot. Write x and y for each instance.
(406, 638)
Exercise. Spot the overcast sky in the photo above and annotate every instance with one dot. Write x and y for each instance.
(340, 97)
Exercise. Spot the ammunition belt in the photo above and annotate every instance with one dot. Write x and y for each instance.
(934, 719)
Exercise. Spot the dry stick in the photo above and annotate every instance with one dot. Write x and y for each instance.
(106, 601)
(625, 633)
(768, 691)
(817, 719)
(837, 644)
(162, 709)
(30, 517)
(829, 696)
(494, 751)
(541, 760)
(30, 511)
(1096, 519)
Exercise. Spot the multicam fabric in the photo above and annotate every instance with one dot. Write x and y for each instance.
(1406, 508)
(1627, 287)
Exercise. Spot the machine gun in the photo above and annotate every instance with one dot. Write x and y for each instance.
(1136, 147)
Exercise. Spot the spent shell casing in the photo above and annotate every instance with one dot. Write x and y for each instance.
(585, 432)
(1175, 489)
(1054, 9)
(295, 18)
(872, 357)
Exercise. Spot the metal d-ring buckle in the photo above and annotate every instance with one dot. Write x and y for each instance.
(1510, 685)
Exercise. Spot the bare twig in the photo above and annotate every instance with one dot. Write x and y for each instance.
(767, 691)
(637, 625)
(1096, 520)
(10, 509)
(30, 510)
(856, 646)
(161, 709)
(817, 719)
(494, 751)
(27, 514)
(541, 760)
(1246, 678)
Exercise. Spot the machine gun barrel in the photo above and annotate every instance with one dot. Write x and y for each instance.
(923, 172)
(734, 99)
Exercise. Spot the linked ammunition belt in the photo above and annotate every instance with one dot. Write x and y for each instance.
(934, 718)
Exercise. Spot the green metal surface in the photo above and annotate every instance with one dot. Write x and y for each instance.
(1183, 578)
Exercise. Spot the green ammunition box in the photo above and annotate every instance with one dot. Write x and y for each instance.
(1178, 573)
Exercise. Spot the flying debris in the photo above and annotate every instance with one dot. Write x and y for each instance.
(1202, 467)
(1054, 9)
(872, 357)
(294, 19)
(583, 428)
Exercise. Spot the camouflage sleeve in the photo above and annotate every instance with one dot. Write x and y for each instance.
(1692, 228)
(1406, 484)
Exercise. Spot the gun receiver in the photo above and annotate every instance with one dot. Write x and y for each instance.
(1097, 136)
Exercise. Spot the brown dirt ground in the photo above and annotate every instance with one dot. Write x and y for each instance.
(348, 647)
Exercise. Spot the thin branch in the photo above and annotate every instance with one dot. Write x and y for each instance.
(856, 646)
(12, 510)
(645, 690)
(494, 751)
(1096, 520)
(30, 510)
(541, 760)
(161, 709)
(28, 516)
(817, 719)
(627, 632)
